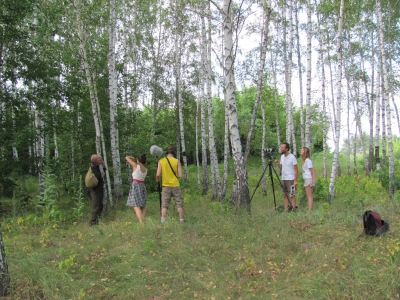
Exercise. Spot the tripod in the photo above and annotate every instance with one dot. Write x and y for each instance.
(271, 168)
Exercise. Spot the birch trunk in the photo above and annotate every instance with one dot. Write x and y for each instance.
(396, 112)
(378, 114)
(300, 71)
(263, 53)
(203, 107)
(197, 144)
(348, 130)
(4, 275)
(178, 80)
(323, 80)
(215, 176)
(338, 103)
(308, 87)
(92, 94)
(386, 99)
(240, 193)
(264, 135)
(112, 88)
(278, 133)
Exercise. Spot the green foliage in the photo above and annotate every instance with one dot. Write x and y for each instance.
(360, 189)
(321, 190)
(48, 198)
(79, 201)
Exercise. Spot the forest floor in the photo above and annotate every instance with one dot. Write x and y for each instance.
(218, 253)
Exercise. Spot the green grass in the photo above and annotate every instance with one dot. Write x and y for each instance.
(219, 253)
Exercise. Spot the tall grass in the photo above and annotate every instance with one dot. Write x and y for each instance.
(219, 253)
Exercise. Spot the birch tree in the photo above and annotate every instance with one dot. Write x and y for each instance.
(386, 98)
(240, 193)
(215, 176)
(263, 53)
(100, 144)
(338, 103)
(203, 55)
(112, 87)
(4, 275)
(308, 86)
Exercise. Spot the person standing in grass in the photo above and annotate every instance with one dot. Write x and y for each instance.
(171, 170)
(138, 193)
(97, 193)
(288, 165)
(308, 175)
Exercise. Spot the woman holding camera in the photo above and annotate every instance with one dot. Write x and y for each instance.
(138, 193)
(308, 175)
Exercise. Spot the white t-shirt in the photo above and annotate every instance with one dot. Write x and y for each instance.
(138, 175)
(306, 168)
(288, 163)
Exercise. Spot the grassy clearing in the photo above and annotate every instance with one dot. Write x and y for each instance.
(219, 253)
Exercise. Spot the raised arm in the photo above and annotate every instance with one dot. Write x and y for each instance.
(130, 160)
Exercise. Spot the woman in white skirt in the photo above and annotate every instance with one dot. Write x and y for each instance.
(308, 175)
(137, 194)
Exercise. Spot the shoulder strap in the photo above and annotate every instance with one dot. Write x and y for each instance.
(171, 167)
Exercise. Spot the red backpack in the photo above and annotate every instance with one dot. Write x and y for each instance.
(373, 224)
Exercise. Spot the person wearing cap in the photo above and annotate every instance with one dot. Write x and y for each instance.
(171, 171)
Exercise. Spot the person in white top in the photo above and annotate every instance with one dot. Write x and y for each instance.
(138, 193)
(288, 165)
(308, 175)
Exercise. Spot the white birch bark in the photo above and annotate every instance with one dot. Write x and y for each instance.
(348, 154)
(323, 80)
(14, 149)
(178, 82)
(308, 86)
(92, 94)
(275, 84)
(264, 136)
(240, 193)
(215, 176)
(386, 98)
(197, 142)
(263, 53)
(290, 67)
(338, 103)
(4, 274)
(300, 72)
(396, 112)
(203, 56)
(378, 113)
(112, 88)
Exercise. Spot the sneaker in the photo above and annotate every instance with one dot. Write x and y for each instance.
(162, 220)
(182, 220)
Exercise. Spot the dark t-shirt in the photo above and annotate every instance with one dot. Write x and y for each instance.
(97, 173)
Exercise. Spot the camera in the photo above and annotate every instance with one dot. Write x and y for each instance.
(269, 150)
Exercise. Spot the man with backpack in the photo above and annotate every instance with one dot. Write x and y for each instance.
(171, 171)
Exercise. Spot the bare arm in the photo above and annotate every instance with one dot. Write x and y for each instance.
(158, 175)
(179, 170)
(278, 163)
(313, 177)
(296, 172)
(130, 160)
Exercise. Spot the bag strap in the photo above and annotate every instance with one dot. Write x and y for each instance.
(171, 167)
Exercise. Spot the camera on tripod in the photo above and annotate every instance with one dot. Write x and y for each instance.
(269, 150)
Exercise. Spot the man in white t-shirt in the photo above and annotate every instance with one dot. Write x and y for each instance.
(288, 164)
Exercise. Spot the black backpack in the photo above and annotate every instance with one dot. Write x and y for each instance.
(373, 224)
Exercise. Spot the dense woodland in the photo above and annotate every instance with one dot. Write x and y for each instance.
(221, 80)
(82, 77)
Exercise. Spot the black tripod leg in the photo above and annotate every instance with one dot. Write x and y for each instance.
(272, 183)
(258, 184)
(280, 182)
